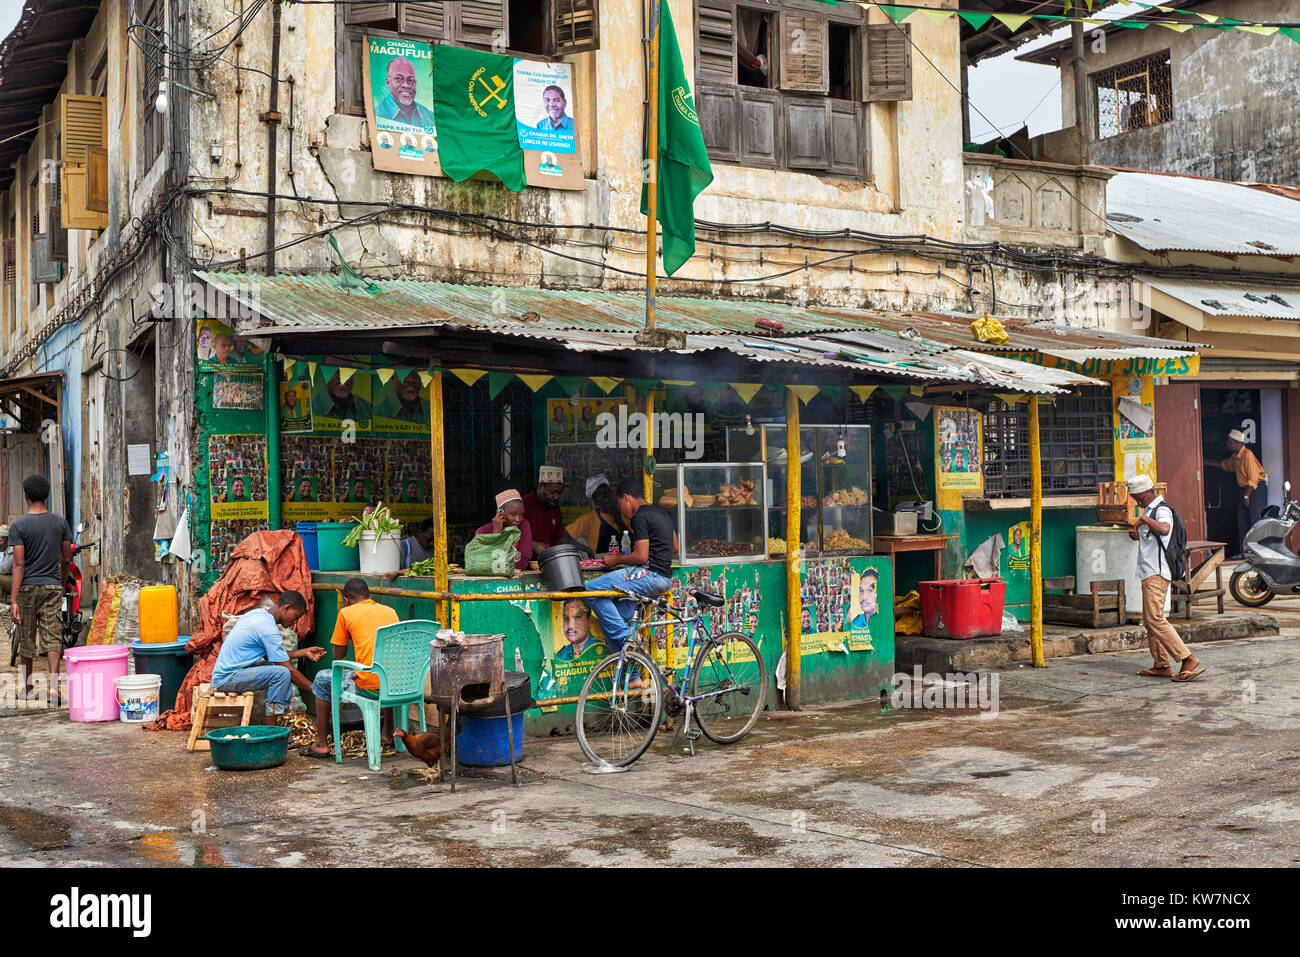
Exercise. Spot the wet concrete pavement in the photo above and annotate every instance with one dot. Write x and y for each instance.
(1083, 764)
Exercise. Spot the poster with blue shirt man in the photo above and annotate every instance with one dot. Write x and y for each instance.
(543, 92)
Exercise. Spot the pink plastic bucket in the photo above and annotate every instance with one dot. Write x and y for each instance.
(92, 681)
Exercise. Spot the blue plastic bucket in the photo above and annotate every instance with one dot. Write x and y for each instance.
(482, 742)
(307, 532)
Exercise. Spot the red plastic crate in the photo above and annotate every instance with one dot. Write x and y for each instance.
(962, 608)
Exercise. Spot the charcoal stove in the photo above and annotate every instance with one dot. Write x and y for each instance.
(467, 675)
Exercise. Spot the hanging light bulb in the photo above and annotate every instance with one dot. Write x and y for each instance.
(749, 425)
(840, 449)
(160, 103)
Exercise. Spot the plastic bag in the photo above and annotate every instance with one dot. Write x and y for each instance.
(1010, 623)
(907, 614)
(492, 553)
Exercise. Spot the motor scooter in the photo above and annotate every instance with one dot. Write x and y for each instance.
(1269, 565)
(71, 625)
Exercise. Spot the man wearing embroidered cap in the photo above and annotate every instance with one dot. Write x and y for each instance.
(510, 514)
(1153, 532)
(1252, 482)
(604, 521)
(542, 509)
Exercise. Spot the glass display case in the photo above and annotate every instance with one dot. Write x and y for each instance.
(718, 509)
(834, 484)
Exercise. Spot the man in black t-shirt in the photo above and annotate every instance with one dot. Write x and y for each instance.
(42, 555)
(646, 570)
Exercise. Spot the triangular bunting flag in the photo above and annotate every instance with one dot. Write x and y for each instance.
(570, 384)
(1262, 31)
(804, 392)
(427, 377)
(919, 409)
(345, 374)
(938, 16)
(642, 385)
(498, 381)
(467, 376)
(288, 368)
(976, 20)
(916, 389)
(535, 382)
(863, 392)
(1013, 21)
(1011, 398)
(833, 392)
(1208, 17)
(1134, 24)
(1177, 27)
(897, 14)
(384, 375)
(604, 383)
(747, 390)
(894, 391)
(1292, 32)
(311, 370)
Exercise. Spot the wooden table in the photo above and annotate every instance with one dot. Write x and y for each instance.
(893, 544)
(1190, 589)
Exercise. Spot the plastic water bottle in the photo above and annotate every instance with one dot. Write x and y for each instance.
(613, 545)
(627, 541)
(519, 661)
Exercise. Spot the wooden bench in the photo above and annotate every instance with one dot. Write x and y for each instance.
(1192, 588)
(217, 709)
(1102, 607)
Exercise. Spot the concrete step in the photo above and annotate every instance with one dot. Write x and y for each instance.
(945, 655)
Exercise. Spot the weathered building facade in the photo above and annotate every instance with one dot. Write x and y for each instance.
(205, 136)
(1217, 103)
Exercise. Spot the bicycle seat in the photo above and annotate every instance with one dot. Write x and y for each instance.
(708, 598)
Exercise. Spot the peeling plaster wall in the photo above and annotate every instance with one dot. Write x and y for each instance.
(1234, 97)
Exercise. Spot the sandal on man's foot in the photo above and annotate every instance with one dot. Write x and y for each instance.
(1188, 675)
(309, 751)
(1156, 673)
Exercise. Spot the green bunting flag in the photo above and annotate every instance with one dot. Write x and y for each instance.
(498, 381)
(683, 168)
(474, 101)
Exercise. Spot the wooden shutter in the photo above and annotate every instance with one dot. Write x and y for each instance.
(97, 180)
(717, 111)
(846, 138)
(371, 12)
(805, 43)
(427, 20)
(76, 213)
(573, 26)
(10, 261)
(807, 133)
(54, 226)
(84, 122)
(887, 62)
(482, 21)
(44, 269)
(715, 49)
(760, 128)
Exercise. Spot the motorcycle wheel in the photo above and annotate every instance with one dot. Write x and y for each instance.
(1249, 589)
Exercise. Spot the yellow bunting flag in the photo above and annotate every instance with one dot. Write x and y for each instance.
(1177, 27)
(1013, 21)
(678, 382)
(916, 389)
(938, 16)
(863, 392)
(1255, 28)
(384, 375)
(804, 392)
(746, 390)
(345, 374)
(604, 383)
(467, 376)
(535, 382)
(427, 377)
(288, 367)
(1011, 398)
(311, 370)
(1208, 17)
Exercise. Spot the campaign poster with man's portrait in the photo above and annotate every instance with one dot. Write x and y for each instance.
(295, 406)
(401, 405)
(399, 105)
(544, 117)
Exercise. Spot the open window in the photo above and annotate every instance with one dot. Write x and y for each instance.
(541, 28)
(83, 123)
(1133, 96)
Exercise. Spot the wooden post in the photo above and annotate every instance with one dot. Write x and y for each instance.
(1035, 538)
(651, 170)
(793, 540)
(438, 486)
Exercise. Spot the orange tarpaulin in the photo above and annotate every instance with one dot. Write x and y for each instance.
(264, 563)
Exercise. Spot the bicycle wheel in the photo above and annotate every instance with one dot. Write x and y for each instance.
(616, 722)
(731, 672)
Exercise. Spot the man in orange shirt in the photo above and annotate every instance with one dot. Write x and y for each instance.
(359, 618)
(1252, 482)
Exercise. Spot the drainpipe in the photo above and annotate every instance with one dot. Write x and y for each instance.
(1080, 91)
(271, 118)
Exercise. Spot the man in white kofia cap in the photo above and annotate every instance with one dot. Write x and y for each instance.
(1152, 533)
(1252, 482)
(542, 509)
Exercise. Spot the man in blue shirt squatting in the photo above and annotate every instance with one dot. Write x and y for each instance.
(253, 658)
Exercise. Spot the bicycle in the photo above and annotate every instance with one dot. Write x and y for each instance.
(623, 700)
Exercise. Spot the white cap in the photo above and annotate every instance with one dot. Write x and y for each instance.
(1140, 484)
(1238, 436)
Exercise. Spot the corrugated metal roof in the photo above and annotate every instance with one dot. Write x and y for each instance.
(1201, 215)
(1258, 301)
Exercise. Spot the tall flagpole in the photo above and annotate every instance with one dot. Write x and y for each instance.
(651, 171)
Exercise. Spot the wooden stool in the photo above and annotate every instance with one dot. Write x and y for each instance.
(217, 709)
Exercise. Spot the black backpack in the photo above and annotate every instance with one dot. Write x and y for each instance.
(1176, 550)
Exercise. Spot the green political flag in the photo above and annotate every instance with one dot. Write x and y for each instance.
(474, 107)
(683, 161)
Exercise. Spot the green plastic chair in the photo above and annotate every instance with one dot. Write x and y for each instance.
(401, 663)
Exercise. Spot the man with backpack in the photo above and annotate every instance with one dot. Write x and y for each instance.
(1162, 556)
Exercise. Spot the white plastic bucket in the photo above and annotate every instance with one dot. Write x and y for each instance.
(381, 555)
(137, 698)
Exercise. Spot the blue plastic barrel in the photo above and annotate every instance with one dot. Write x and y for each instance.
(307, 532)
(482, 742)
